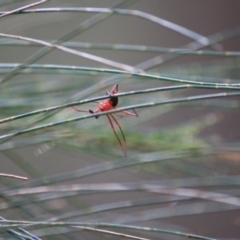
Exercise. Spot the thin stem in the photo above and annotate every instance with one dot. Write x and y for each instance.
(50, 109)
(203, 83)
(107, 225)
(111, 233)
(144, 105)
(135, 186)
(74, 52)
(204, 41)
(22, 8)
(13, 176)
(127, 47)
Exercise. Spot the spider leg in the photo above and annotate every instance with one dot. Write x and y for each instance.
(123, 146)
(78, 110)
(95, 111)
(118, 124)
(117, 114)
(135, 114)
(114, 89)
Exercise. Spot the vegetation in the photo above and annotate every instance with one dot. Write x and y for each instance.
(181, 172)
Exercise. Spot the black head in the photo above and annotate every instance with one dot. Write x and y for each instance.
(113, 100)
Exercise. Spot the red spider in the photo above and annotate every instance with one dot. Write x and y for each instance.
(110, 104)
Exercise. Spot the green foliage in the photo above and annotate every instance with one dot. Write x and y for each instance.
(183, 149)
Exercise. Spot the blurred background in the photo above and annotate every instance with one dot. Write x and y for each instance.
(181, 174)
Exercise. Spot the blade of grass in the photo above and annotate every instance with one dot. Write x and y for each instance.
(13, 176)
(150, 104)
(49, 109)
(160, 21)
(79, 29)
(127, 47)
(74, 52)
(22, 8)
